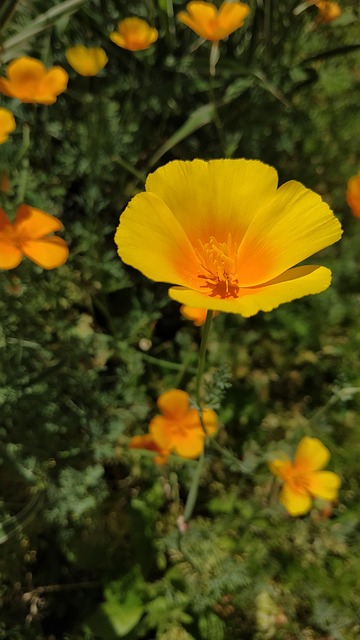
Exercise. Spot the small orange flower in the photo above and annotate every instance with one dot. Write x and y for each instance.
(87, 61)
(197, 316)
(303, 479)
(353, 194)
(29, 236)
(212, 24)
(179, 428)
(134, 34)
(28, 80)
(328, 11)
(7, 124)
(148, 443)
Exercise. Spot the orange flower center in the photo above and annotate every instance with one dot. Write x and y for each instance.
(218, 267)
(298, 480)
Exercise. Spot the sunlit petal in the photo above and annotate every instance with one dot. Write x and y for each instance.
(47, 252)
(324, 484)
(296, 504)
(311, 454)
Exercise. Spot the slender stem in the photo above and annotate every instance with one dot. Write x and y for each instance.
(24, 174)
(194, 488)
(202, 353)
(192, 496)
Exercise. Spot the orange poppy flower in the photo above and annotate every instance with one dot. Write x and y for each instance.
(211, 23)
(29, 236)
(353, 194)
(134, 34)
(227, 236)
(28, 80)
(303, 479)
(86, 61)
(7, 124)
(197, 316)
(328, 11)
(148, 443)
(178, 428)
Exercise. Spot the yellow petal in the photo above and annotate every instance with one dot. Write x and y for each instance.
(174, 404)
(214, 198)
(279, 467)
(134, 34)
(48, 253)
(290, 227)
(24, 70)
(232, 16)
(296, 504)
(311, 455)
(324, 484)
(294, 283)
(54, 83)
(210, 421)
(7, 124)
(200, 17)
(150, 239)
(87, 61)
(189, 444)
(31, 223)
(10, 256)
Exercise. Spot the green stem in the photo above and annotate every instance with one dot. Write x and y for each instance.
(202, 353)
(194, 488)
(25, 164)
(193, 493)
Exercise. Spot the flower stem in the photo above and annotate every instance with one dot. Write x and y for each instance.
(192, 496)
(194, 488)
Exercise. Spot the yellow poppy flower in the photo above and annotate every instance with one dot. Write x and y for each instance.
(211, 23)
(178, 428)
(87, 61)
(7, 124)
(28, 80)
(303, 479)
(29, 236)
(134, 34)
(353, 194)
(148, 443)
(328, 11)
(227, 236)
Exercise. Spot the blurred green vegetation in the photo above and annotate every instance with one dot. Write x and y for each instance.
(90, 544)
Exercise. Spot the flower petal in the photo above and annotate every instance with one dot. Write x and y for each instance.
(189, 444)
(87, 61)
(10, 256)
(294, 283)
(296, 504)
(231, 16)
(48, 253)
(54, 83)
(174, 404)
(200, 17)
(31, 223)
(279, 467)
(324, 484)
(7, 124)
(24, 70)
(150, 239)
(215, 197)
(311, 455)
(292, 226)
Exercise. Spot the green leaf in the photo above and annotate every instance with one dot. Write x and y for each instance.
(200, 117)
(123, 617)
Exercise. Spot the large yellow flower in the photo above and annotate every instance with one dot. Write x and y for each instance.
(87, 61)
(134, 34)
(227, 236)
(29, 81)
(29, 236)
(303, 479)
(7, 124)
(212, 24)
